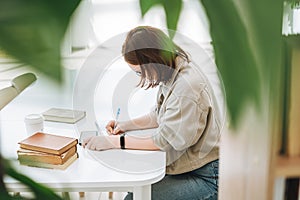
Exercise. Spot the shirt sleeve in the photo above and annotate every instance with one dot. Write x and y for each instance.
(181, 124)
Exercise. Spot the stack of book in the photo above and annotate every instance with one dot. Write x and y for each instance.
(48, 151)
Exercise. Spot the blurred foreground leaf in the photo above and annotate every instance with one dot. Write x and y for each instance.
(172, 9)
(31, 31)
(247, 42)
(234, 56)
(39, 191)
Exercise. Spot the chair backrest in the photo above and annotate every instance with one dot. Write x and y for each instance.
(18, 84)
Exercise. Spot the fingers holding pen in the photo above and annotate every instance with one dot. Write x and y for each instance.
(117, 130)
(110, 126)
(114, 128)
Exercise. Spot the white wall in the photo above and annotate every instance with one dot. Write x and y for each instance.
(95, 21)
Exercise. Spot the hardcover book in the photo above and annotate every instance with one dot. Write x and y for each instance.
(48, 143)
(25, 155)
(50, 166)
(63, 115)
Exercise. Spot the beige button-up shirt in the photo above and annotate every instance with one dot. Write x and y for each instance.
(189, 127)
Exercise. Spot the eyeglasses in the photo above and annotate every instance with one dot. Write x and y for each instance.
(138, 73)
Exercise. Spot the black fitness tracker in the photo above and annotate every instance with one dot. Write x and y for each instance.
(122, 141)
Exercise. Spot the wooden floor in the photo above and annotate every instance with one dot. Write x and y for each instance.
(97, 196)
(87, 195)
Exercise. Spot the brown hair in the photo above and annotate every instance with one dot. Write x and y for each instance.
(154, 51)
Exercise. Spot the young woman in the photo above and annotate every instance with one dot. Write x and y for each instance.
(188, 127)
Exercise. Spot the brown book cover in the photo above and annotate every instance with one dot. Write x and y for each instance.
(50, 166)
(48, 143)
(36, 156)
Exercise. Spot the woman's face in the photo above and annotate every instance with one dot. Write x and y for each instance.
(136, 69)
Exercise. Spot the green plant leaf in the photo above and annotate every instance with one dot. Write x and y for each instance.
(247, 43)
(266, 33)
(145, 5)
(234, 56)
(31, 31)
(172, 9)
(294, 3)
(39, 191)
(293, 40)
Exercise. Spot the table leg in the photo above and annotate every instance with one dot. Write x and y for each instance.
(66, 195)
(81, 194)
(110, 195)
(142, 192)
(16, 194)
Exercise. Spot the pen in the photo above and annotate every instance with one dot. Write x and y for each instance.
(98, 127)
(117, 117)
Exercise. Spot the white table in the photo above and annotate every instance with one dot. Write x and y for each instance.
(115, 170)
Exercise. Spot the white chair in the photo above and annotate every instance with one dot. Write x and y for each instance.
(18, 84)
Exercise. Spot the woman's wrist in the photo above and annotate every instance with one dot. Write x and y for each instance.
(125, 125)
(114, 141)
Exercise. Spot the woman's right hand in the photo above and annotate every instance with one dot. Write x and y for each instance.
(114, 130)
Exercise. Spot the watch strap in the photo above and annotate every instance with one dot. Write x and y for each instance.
(122, 141)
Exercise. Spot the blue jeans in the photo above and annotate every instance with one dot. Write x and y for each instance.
(199, 184)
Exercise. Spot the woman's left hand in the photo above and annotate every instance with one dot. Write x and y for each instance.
(98, 143)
